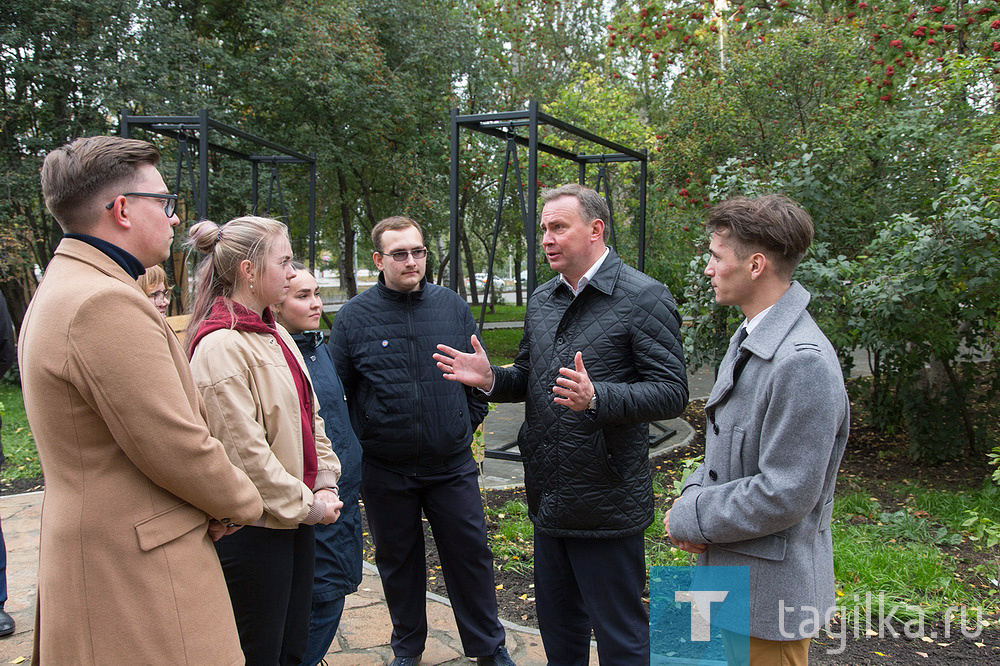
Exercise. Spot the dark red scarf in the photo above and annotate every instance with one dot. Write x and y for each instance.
(218, 318)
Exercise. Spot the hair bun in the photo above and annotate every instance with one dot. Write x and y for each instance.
(205, 235)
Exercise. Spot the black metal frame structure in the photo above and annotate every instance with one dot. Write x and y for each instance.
(182, 128)
(503, 126)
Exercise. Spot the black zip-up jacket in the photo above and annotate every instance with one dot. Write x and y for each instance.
(409, 418)
(587, 474)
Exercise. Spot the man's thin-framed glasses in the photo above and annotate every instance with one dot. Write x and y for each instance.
(163, 293)
(169, 200)
(401, 255)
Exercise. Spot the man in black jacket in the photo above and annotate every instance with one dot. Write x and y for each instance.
(601, 356)
(416, 431)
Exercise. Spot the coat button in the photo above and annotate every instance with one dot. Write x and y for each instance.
(712, 474)
(559, 341)
(715, 428)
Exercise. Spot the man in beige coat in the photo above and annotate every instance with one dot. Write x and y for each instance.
(135, 487)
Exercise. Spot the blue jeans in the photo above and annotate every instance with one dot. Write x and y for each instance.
(323, 625)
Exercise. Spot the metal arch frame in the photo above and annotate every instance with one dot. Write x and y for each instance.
(178, 127)
(500, 125)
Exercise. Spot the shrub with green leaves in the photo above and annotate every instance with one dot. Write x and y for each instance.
(925, 301)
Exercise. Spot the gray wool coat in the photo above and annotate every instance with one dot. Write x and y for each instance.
(763, 498)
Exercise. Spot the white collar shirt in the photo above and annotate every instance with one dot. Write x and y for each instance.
(588, 276)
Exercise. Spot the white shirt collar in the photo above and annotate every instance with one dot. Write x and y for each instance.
(752, 323)
(588, 276)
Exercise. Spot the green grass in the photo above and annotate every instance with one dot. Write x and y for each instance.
(502, 344)
(907, 572)
(512, 542)
(503, 312)
(909, 554)
(18, 444)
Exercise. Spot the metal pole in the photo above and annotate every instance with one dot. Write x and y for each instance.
(529, 232)
(203, 164)
(511, 147)
(583, 173)
(123, 129)
(642, 211)
(312, 214)
(253, 187)
(453, 224)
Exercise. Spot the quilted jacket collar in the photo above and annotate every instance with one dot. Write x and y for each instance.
(606, 276)
(393, 295)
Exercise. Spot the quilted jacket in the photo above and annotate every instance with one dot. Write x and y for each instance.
(587, 474)
(409, 418)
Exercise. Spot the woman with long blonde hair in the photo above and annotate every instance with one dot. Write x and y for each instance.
(261, 404)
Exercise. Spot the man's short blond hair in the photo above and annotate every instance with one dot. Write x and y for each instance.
(74, 174)
(394, 223)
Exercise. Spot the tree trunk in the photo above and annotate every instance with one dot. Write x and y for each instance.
(348, 276)
(470, 269)
(445, 258)
(963, 408)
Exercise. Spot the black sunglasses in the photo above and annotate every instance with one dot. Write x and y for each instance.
(169, 200)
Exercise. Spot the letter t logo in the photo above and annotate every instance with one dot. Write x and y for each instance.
(701, 610)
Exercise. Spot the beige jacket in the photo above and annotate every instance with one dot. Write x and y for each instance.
(253, 407)
(127, 573)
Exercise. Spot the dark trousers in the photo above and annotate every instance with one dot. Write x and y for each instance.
(3, 570)
(454, 508)
(584, 584)
(269, 573)
(323, 624)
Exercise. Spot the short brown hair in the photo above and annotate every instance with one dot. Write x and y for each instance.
(153, 276)
(592, 204)
(74, 174)
(772, 224)
(394, 223)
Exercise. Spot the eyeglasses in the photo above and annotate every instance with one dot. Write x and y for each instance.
(401, 255)
(163, 293)
(169, 200)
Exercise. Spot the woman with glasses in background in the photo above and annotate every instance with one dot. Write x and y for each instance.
(154, 284)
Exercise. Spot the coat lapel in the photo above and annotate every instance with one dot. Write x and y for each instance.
(764, 341)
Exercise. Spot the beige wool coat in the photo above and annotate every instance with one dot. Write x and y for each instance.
(127, 572)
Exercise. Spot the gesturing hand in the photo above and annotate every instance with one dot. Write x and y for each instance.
(573, 388)
(469, 369)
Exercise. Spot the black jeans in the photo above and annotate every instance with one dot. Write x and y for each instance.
(270, 575)
(454, 509)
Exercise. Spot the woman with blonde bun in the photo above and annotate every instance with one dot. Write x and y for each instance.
(261, 404)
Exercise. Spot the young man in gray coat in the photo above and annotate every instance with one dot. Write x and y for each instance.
(777, 425)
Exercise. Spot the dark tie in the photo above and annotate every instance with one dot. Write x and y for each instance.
(743, 358)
